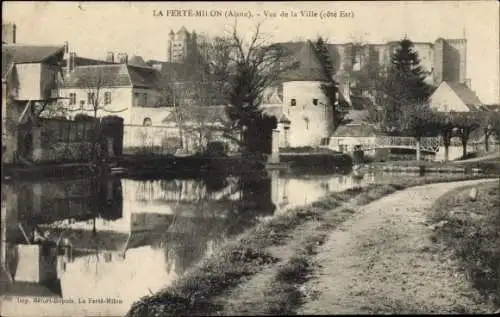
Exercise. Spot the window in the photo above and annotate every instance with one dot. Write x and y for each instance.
(90, 98)
(82, 103)
(293, 102)
(136, 99)
(147, 122)
(107, 98)
(72, 98)
(145, 100)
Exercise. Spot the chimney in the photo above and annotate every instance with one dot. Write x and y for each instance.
(66, 47)
(9, 33)
(110, 57)
(71, 63)
(123, 58)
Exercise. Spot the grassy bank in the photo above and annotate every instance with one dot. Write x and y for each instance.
(280, 250)
(490, 166)
(471, 231)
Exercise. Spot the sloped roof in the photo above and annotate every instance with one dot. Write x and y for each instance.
(355, 130)
(31, 53)
(7, 64)
(172, 72)
(137, 61)
(143, 77)
(309, 68)
(115, 75)
(83, 61)
(467, 95)
(490, 107)
(107, 75)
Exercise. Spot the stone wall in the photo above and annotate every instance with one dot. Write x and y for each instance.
(66, 141)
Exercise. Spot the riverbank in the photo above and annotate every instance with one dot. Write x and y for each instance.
(264, 271)
(485, 166)
(469, 230)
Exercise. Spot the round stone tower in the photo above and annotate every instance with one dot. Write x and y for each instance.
(310, 113)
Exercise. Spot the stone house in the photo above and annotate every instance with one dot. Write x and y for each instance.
(30, 77)
(116, 89)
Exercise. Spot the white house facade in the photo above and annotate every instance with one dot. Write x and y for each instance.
(118, 88)
(455, 97)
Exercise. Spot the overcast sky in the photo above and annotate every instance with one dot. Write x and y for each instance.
(92, 29)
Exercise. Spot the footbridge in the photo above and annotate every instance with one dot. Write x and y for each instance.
(427, 144)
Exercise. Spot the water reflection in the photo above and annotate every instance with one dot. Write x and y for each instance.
(121, 239)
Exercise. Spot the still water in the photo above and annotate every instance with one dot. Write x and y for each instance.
(129, 238)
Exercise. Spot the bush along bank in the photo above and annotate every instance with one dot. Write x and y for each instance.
(274, 257)
(470, 229)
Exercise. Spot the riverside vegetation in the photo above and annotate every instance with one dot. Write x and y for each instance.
(264, 271)
(470, 231)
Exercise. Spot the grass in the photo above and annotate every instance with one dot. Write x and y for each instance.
(488, 166)
(195, 292)
(471, 230)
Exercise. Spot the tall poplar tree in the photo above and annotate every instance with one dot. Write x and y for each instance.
(329, 87)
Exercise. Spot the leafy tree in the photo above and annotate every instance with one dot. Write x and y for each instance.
(329, 87)
(404, 84)
(445, 127)
(465, 123)
(419, 121)
(491, 126)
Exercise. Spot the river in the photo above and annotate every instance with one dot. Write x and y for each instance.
(128, 237)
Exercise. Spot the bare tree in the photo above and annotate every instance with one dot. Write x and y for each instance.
(465, 123)
(255, 66)
(94, 83)
(193, 87)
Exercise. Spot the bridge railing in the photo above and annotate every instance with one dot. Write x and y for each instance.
(347, 143)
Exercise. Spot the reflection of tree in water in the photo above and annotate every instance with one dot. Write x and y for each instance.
(255, 201)
(207, 223)
(190, 232)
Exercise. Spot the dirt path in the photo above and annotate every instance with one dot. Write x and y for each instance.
(382, 261)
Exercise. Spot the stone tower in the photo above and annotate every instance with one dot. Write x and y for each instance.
(180, 45)
(450, 60)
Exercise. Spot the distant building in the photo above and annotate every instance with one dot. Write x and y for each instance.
(180, 45)
(450, 96)
(9, 33)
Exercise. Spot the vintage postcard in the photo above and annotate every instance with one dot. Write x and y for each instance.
(261, 158)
